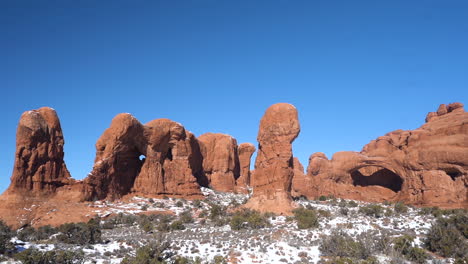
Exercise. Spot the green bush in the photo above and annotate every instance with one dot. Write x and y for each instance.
(340, 244)
(403, 245)
(352, 204)
(400, 208)
(5, 236)
(42, 233)
(322, 198)
(247, 218)
(186, 217)
(150, 254)
(217, 211)
(177, 225)
(34, 256)
(80, 233)
(374, 210)
(306, 218)
(448, 236)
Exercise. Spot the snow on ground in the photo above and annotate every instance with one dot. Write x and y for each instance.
(282, 242)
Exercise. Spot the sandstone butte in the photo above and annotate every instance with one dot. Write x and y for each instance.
(427, 166)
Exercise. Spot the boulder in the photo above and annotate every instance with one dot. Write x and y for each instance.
(271, 180)
(245, 152)
(220, 161)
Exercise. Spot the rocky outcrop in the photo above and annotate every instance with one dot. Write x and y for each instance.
(117, 161)
(245, 152)
(300, 182)
(39, 167)
(220, 161)
(172, 161)
(158, 158)
(271, 180)
(426, 166)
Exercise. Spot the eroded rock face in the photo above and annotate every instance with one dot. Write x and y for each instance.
(427, 166)
(245, 152)
(172, 161)
(117, 161)
(271, 180)
(158, 158)
(220, 161)
(39, 167)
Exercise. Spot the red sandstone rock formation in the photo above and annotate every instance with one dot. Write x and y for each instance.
(39, 167)
(220, 160)
(117, 160)
(245, 152)
(273, 174)
(159, 158)
(300, 182)
(426, 166)
(172, 161)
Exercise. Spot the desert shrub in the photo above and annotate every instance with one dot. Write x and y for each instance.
(217, 211)
(5, 235)
(177, 225)
(247, 218)
(80, 233)
(27, 234)
(403, 244)
(146, 225)
(30, 234)
(340, 244)
(324, 213)
(322, 198)
(144, 207)
(352, 204)
(374, 210)
(186, 217)
(306, 218)
(461, 260)
(342, 203)
(344, 211)
(154, 253)
(448, 236)
(179, 204)
(417, 255)
(400, 208)
(123, 219)
(34, 256)
(219, 260)
(197, 204)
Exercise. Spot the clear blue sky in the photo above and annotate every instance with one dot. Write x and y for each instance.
(354, 69)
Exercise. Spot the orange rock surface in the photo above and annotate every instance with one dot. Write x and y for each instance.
(271, 180)
(245, 152)
(426, 166)
(220, 161)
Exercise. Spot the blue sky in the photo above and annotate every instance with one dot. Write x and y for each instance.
(354, 69)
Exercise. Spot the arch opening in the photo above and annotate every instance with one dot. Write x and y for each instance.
(379, 177)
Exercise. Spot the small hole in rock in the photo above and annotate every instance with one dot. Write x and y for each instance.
(142, 157)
